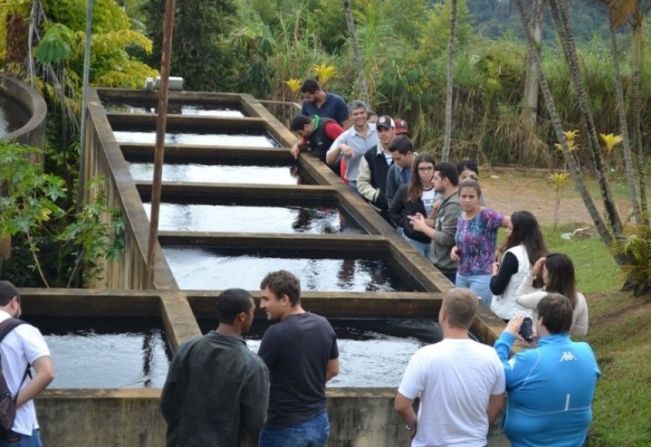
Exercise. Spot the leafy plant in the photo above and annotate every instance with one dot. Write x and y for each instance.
(558, 179)
(60, 242)
(635, 246)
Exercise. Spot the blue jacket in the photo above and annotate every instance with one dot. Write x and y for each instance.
(550, 391)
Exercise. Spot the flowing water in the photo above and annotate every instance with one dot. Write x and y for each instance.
(106, 352)
(196, 268)
(253, 219)
(204, 173)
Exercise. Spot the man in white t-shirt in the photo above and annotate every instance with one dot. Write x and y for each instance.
(22, 347)
(460, 382)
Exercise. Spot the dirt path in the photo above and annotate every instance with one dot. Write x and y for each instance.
(510, 190)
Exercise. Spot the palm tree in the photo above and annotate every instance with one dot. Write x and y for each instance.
(530, 96)
(357, 56)
(617, 16)
(561, 19)
(534, 53)
(450, 80)
(637, 107)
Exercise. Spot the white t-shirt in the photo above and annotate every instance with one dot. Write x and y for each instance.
(428, 197)
(23, 345)
(454, 380)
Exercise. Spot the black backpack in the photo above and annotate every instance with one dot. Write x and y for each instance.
(7, 402)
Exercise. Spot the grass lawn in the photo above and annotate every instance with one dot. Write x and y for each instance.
(620, 335)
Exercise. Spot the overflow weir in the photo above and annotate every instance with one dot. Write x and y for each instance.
(234, 206)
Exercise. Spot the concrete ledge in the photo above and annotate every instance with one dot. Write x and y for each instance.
(128, 418)
(360, 417)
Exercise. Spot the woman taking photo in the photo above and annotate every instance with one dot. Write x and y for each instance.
(417, 196)
(524, 245)
(476, 239)
(558, 276)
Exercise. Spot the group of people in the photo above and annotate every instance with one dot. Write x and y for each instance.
(218, 392)
(438, 208)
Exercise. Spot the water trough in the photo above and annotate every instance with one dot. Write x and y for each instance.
(369, 276)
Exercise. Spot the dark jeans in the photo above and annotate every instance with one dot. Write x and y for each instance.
(311, 433)
(18, 440)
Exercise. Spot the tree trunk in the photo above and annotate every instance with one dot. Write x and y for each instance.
(357, 56)
(534, 53)
(636, 96)
(561, 19)
(452, 48)
(623, 124)
(530, 96)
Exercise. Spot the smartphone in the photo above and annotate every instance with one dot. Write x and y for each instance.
(526, 330)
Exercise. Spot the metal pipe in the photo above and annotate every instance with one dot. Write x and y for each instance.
(84, 105)
(161, 123)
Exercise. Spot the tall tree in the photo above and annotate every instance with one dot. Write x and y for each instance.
(357, 56)
(636, 21)
(560, 14)
(616, 18)
(534, 52)
(530, 96)
(452, 46)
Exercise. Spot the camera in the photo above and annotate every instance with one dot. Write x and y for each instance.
(526, 330)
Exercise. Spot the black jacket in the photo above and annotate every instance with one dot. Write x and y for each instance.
(401, 208)
(216, 389)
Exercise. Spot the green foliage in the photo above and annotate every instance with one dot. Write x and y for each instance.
(55, 46)
(635, 245)
(59, 242)
(201, 54)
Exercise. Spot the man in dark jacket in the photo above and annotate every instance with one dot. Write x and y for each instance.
(373, 168)
(217, 390)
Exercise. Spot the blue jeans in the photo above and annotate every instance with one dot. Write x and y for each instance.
(18, 440)
(421, 247)
(311, 433)
(479, 284)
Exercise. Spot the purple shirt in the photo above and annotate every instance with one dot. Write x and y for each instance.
(476, 240)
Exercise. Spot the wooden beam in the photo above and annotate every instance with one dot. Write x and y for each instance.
(310, 244)
(150, 97)
(215, 124)
(213, 154)
(195, 192)
(341, 304)
(89, 302)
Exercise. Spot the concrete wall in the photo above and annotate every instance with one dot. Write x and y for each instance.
(31, 133)
(131, 418)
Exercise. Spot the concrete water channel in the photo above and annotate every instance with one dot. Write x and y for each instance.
(235, 205)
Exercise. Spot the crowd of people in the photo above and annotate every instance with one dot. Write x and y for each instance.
(218, 392)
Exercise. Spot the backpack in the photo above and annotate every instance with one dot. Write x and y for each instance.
(7, 402)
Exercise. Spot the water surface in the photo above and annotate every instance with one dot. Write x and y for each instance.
(210, 269)
(253, 219)
(219, 139)
(178, 109)
(106, 352)
(372, 353)
(203, 173)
